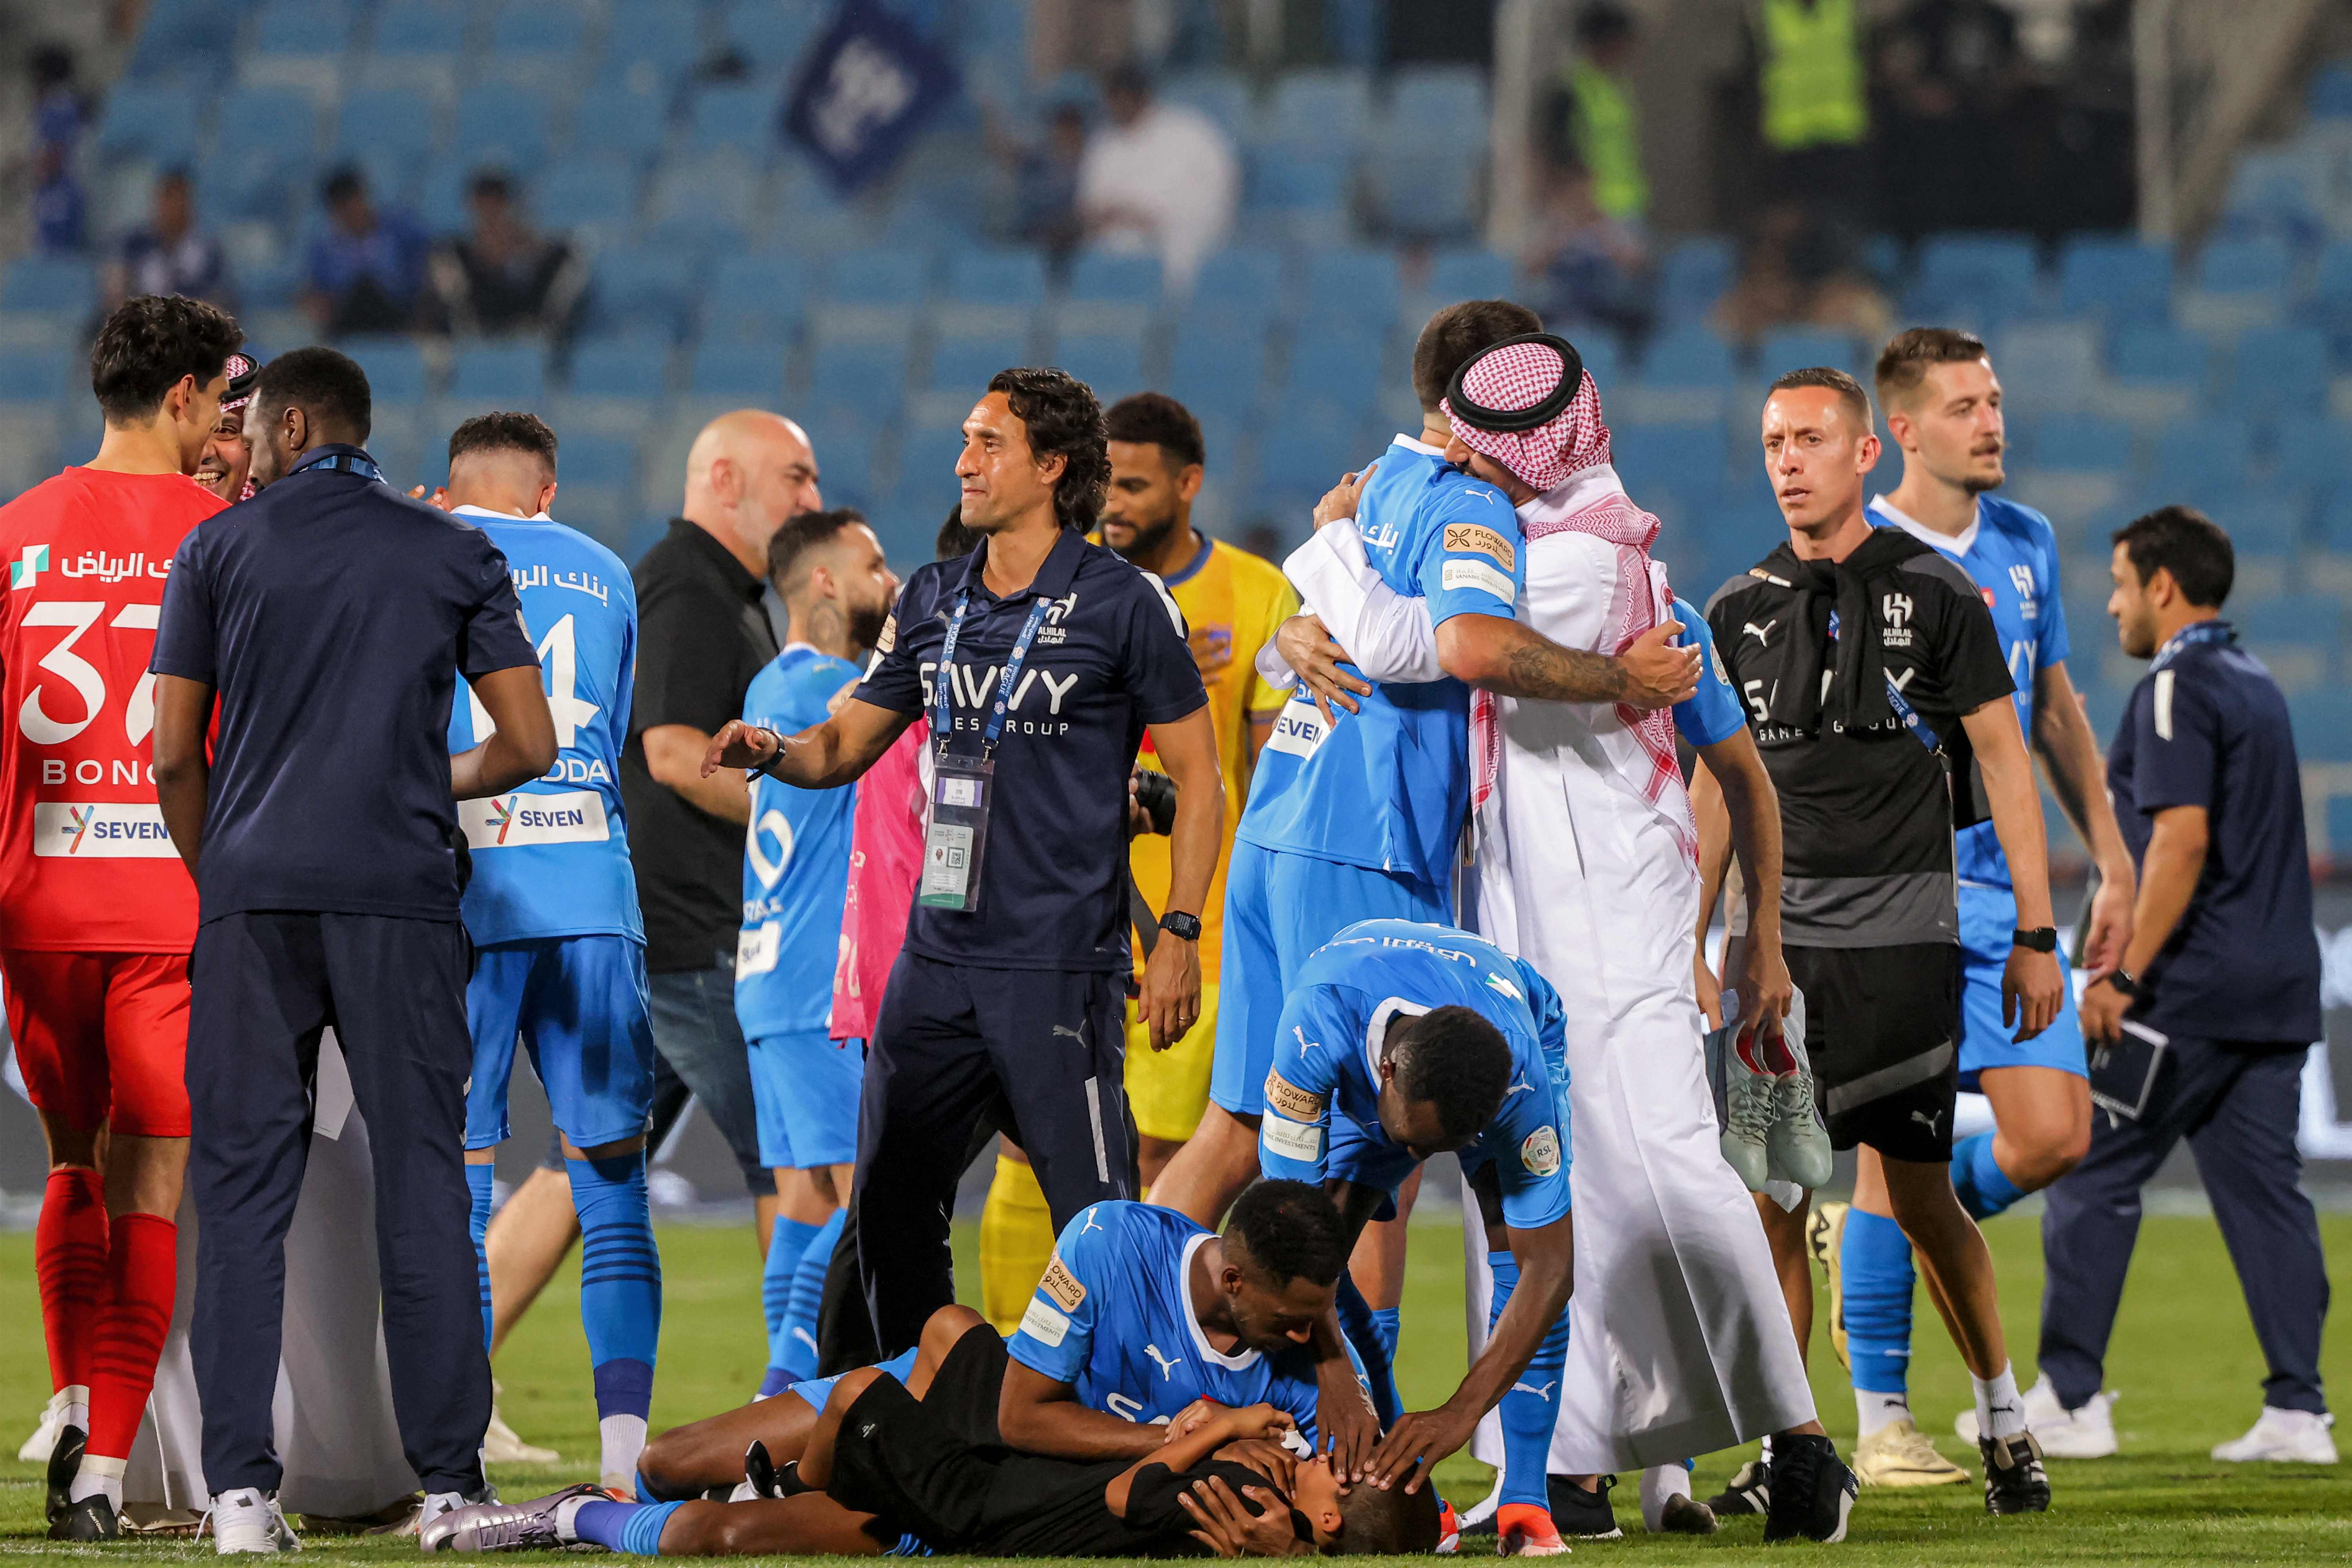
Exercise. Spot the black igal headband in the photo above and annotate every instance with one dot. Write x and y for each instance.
(1511, 421)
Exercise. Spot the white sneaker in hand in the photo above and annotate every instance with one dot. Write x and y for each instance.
(2287, 1436)
(246, 1521)
(2088, 1433)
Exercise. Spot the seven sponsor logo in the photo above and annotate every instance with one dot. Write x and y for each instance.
(510, 821)
(101, 830)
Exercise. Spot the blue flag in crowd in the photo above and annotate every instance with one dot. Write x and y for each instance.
(864, 89)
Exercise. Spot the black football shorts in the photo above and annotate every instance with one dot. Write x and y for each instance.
(1883, 1028)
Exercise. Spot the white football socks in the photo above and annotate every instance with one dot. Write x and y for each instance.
(100, 1474)
(625, 1442)
(2001, 1410)
(1877, 1410)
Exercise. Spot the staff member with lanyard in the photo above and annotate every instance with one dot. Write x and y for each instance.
(331, 618)
(2201, 1033)
(1040, 660)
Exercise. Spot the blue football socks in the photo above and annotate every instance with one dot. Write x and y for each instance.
(1874, 1261)
(798, 1358)
(1386, 1322)
(479, 1180)
(620, 1298)
(787, 1244)
(1984, 1188)
(1357, 1320)
(1531, 1407)
(632, 1527)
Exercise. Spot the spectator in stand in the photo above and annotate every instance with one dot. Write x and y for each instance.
(1590, 269)
(1800, 269)
(60, 212)
(1595, 120)
(59, 109)
(366, 272)
(1948, 73)
(52, 187)
(505, 275)
(169, 254)
(1158, 178)
(1045, 180)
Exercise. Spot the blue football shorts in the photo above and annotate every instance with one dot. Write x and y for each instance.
(1280, 907)
(1987, 917)
(804, 1087)
(578, 1004)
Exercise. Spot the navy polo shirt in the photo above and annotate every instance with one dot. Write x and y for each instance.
(2207, 726)
(333, 617)
(1110, 659)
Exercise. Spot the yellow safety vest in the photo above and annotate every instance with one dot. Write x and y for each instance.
(1813, 75)
(1609, 139)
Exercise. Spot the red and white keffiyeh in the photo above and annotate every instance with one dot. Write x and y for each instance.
(1520, 376)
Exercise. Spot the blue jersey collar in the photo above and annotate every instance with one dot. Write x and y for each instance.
(1959, 543)
(340, 454)
(1247, 1358)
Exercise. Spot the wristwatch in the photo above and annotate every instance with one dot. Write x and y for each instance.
(2125, 981)
(762, 766)
(2041, 939)
(1177, 925)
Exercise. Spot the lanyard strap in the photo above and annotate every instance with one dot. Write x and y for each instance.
(345, 463)
(2190, 636)
(1920, 731)
(943, 686)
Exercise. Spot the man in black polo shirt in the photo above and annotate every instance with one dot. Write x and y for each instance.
(2206, 1025)
(331, 618)
(1038, 662)
(703, 633)
(1874, 672)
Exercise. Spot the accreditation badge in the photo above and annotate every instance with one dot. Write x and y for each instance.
(960, 788)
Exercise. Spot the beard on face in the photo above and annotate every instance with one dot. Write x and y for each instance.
(867, 621)
(1149, 536)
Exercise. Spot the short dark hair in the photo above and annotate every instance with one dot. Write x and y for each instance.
(2188, 544)
(1457, 1061)
(329, 386)
(1291, 1231)
(1902, 364)
(1154, 418)
(800, 535)
(1603, 22)
(147, 343)
(1456, 335)
(490, 182)
(1063, 419)
(1387, 1522)
(504, 433)
(955, 541)
(342, 181)
(1834, 380)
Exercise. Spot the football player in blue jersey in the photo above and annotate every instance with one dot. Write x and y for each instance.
(553, 909)
(1142, 1315)
(1943, 406)
(829, 570)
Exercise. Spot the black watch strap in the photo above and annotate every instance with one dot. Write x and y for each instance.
(1176, 924)
(2125, 981)
(2041, 939)
(769, 762)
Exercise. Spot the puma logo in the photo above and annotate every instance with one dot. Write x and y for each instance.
(1927, 1121)
(1167, 1366)
(1543, 1393)
(1063, 1031)
(1305, 1045)
(1762, 634)
(1518, 1086)
(1094, 1221)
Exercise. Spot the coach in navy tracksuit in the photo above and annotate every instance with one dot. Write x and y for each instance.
(331, 618)
(2225, 967)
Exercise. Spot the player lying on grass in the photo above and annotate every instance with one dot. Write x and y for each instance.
(1141, 1314)
(907, 1469)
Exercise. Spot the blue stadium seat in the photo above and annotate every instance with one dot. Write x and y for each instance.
(633, 365)
(631, 124)
(1206, 371)
(509, 128)
(1686, 458)
(1099, 278)
(1467, 272)
(601, 461)
(1305, 188)
(1693, 276)
(701, 203)
(533, 29)
(2261, 524)
(2246, 266)
(389, 122)
(995, 277)
(2049, 364)
(1353, 285)
(395, 368)
(1786, 349)
(441, 199)
(758, 293)
(270, 117)
(507, 374)
(1603, 357)
(2329, 96)
(876, 277)
(2154, 354)
(1440, 103)
(645, 50)
(867, 380)
(1424, 193)
(2075, 444)
(404, 27)
(1240, 278)
(2202, 461)
(1978, 267)
(1337, 370)
(2323, 733)
(151, 119)
(2316, 620)
(592, 191)
(1319, 111)
(60, 284)
(35, 376)
(302, 27)
(651, 287)
(771, 34)
(730, 114)
(2311, 453)
(1221, 95)
(963, 365)
(751, 370)
(1111, 363)
(2115, 277)
(1688, 358)
(2275, 371)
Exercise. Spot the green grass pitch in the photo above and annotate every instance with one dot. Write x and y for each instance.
(2184, 1359)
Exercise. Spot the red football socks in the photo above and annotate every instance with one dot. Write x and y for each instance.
(141, 1275)
(70, 1260)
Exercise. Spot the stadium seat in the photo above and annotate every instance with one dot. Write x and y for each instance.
(536, 30)
(995, 277)
(2313, 618)
(845, 448)
(759, 294)
(596, 192)
(866, 380)
(395, 368)
(1426, 193)
(2078, 443)
(2311, 453)
(2114, 278)
(1978, 267)
(407, 27)
(1318, 111)
(2261, 524)
(2246, 266)
(1786, 349)
(35, 376)
(1205, 372)
(1440, 103)
(156, 121)
(2152, 353)
(507, 374)
(772, 34)
(272, 119)
(1337, 370)
(308, 28)
(2329, 95)
(1693, 276)
(387, 122)
(2201, 462)
(636, 365)
(1688, 358)
(960, 366)
(751, 370)
(594, 461)
(1219, 94)
(631, 124)
(876, 277)
(1239, 278)
(2276, 371)
(736, 115)
(1352, 286)
(652, 287)
(1467, 272)
(1101, 277)
(2048, 366)
(702, 203)
(2323, 733)
(510, 128)
(1303, 197)
(1111, 363)
(61, 284)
